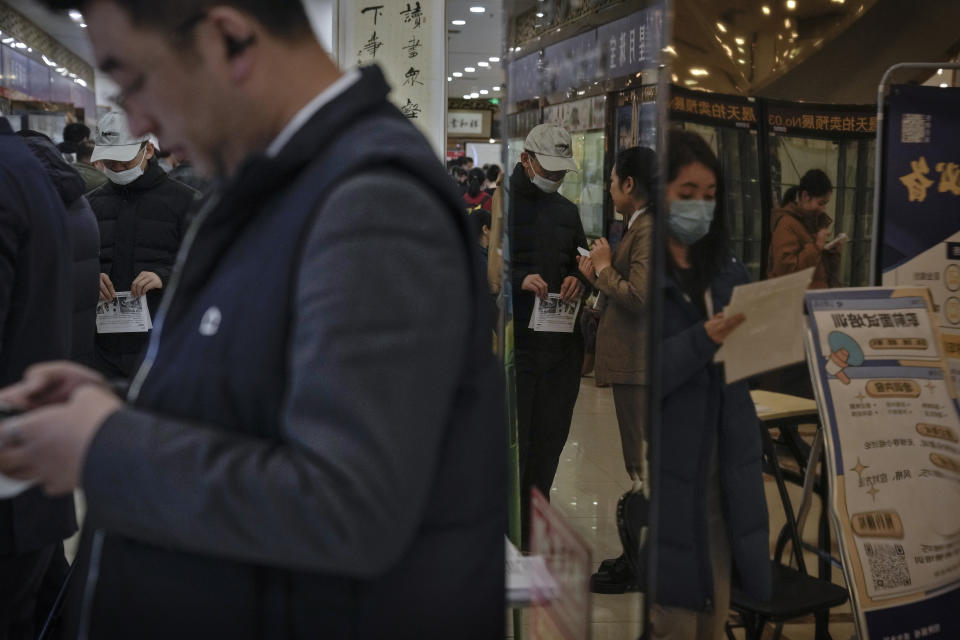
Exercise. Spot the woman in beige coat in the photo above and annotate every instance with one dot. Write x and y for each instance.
(622, 277)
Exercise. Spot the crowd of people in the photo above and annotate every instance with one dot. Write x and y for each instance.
(306, 441)
(286, 452)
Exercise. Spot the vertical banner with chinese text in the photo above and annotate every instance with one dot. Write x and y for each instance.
(408, 41)
(892, 433)
(920, 208)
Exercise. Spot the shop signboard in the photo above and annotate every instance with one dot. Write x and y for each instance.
(406, 40)
(712, 108)
(468, 124)
(892, 433)
(920, 204)
(617, 49)
(833, 121)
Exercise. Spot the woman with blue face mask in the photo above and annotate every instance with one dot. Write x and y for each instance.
(712, 509)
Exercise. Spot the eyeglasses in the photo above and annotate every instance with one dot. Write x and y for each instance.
(180, 33)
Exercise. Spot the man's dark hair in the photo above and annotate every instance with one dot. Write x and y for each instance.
(75, 132)
(283, 18)
(85, 151)
(493, 172)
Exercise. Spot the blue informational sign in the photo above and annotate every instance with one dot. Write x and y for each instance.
(618, 49)
(891, 425)
(921, 190)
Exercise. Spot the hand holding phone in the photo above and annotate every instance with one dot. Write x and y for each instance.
(839, 240)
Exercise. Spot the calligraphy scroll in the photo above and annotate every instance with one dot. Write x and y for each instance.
(406, 39)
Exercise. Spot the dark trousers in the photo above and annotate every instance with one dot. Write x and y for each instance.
(20, 579)
(547, 387)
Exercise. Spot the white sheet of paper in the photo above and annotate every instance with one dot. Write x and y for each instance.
(554, 315)
(124, 314)
(10, 487)
(772, 335)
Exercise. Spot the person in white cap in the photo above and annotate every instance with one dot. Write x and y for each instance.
(545, 233)
(143, 217)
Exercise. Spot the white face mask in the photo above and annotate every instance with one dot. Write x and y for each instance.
(128, 176)
(547, 186)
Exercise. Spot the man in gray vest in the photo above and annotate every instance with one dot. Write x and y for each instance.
(313, 446)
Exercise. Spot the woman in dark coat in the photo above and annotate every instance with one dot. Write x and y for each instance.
(712, 509)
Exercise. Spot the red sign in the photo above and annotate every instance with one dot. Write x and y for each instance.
(564, 613)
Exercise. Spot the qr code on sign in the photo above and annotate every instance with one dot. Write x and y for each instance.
(888, 565)
(915, 128)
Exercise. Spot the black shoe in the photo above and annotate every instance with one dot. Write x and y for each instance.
(614, 576)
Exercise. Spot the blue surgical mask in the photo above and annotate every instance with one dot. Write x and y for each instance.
(689, 220)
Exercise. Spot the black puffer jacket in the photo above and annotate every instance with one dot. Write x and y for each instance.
(545, 232)
(141, 227)
(84, 236)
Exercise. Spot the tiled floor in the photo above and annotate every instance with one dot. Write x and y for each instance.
(591, 479)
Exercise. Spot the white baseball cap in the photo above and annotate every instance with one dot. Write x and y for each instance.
(552, 146)
(114, 140)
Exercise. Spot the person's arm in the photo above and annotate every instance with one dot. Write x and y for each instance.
(383, 311)
(789, 253)
(12, 227)
(494, 254)
(684, 355)
(631, 292)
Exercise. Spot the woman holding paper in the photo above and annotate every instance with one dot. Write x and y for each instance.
(800, 229)
(622, 276)
(712, 509)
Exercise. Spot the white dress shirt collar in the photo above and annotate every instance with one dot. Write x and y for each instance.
(325, 97)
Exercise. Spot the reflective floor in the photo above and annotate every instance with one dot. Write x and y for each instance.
(591, 479)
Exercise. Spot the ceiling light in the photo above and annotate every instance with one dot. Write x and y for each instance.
(697, 71)
(765, 9)
(492, 141)
(517, 49)
(470, 69)
(477, 10)
(29, 50)
(539, 14)
(449, 79)
(741, 61)
(494, 59)
(483, 64)
(80, 81)
(669, 49)
(458, 23)
(457, 74)
(741, 50)
(690, 82)
(795, 34)
(740, 41)
(721, 26)
(21, 45)
(474, 95)
(791, 4)
(47, 61)
(83, 25)
(787, 23)
(7, 40)
(75, 15)
(483, 92)
(496, 88)
(466, 96)
(943, 85)
(675, 78)
(939, 72)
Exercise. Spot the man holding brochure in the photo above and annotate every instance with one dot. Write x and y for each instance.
(546, 232)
